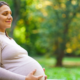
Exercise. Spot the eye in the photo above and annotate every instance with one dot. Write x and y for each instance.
(5, 14)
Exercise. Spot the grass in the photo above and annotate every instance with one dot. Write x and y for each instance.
(69, 71)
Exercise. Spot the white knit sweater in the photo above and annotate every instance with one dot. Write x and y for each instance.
(16, 64)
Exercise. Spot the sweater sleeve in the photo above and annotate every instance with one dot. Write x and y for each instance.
(0, 54)
(7, 75)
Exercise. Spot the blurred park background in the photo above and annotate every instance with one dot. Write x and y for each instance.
(50, 31)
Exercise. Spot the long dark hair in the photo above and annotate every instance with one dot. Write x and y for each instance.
(1, 4)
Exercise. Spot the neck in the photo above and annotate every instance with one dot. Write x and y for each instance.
(2, 30)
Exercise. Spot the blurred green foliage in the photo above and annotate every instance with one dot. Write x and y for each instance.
(42, 26)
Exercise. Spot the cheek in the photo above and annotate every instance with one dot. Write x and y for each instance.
(2, 19)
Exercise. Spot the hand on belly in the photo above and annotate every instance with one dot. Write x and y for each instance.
(30, 66)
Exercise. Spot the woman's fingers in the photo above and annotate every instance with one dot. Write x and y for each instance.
(33, 72)
(39, 77)
(36, 77)
(31, 76)
(45, 77)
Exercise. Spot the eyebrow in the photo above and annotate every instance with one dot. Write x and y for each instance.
(7, 11)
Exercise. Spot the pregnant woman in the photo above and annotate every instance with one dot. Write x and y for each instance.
(14, 60)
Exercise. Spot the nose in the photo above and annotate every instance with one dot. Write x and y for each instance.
(9, 17)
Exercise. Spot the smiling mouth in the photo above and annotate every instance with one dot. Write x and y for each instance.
(8, 21)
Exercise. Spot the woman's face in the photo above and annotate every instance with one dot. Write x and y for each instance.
(5, 18)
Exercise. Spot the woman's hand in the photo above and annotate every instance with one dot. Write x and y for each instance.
(32, 77)
(45, 75)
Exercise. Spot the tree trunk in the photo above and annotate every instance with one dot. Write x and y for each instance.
(60, 54)
(59, 59)
(15, 15)
(62, 47)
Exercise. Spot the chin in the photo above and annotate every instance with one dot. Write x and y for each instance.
(8, 26)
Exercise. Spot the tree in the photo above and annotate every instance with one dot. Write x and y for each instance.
(16, 14)
(48, 27)
(63, 12)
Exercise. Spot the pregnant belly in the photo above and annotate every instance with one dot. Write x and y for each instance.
(29, 66)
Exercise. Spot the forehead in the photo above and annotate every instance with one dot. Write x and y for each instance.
(4, 8)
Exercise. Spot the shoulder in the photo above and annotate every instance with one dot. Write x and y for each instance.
(0, 43)
(1, 39)
(12, 39)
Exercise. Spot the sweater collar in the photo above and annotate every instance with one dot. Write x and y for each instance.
(2, 33)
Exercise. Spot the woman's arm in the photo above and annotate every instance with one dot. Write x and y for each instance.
(7, 75)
